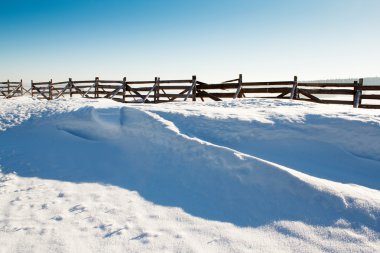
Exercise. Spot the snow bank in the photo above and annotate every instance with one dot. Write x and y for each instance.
(186, 163)
(331, 148)
(38, 215)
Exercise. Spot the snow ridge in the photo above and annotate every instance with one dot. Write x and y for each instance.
(135, 177)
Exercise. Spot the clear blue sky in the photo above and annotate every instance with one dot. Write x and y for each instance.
(214, 39)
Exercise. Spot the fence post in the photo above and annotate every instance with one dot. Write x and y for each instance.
(32, 87)
(294, 93)
(157, 90)
(124, 88)
(71, 86)
(358, 93)
(50, 85)
(194, 92)
(240, 81)
(22, 91)
(96, 95)
(8, 87)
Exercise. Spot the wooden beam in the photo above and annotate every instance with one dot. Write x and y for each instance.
(124, 88)
(12, 92)
(370, 96)
(129, 88)
(157, 90)
(370, 106)
(222, 86)
(182, 92)
(230, 81)
(368, 87)
(203, 93)
(79, 90)
(68, 86)
(266, 90)
(307, 94)
(71, 87)
(22, 91)
(40, 92)
(96, 87)
(223, 95)
(240, 81)
(111, 95)
(293, 93)
(342, 85)
(331, 91)
(358, 93)
(153, 87)
(283, 94)
(192, 87)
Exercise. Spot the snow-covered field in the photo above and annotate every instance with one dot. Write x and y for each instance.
(250, 175)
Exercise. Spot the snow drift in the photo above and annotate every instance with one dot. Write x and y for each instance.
(141, 151)
(337, 149)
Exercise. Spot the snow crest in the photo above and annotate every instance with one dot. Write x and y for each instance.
(169, 165)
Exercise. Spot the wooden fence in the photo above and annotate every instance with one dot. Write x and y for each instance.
(11, 89)
(356, 93)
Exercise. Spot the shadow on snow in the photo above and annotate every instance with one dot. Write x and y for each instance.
(134, 150)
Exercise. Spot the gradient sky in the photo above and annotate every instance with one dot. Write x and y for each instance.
(214, 39)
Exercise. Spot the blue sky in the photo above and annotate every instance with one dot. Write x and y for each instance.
(214, 39)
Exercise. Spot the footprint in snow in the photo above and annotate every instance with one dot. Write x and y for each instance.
(23, 190)
(77, 209)
(90, 219)
(103, 227)
(115, 232)
(57, 218)
(12, 202)
(143, 237)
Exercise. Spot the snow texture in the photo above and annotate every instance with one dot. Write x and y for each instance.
(251, 175)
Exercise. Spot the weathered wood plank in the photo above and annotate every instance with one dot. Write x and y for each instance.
(357, 94)
(230, 81)
(339, 102)
(172, 95)
(194, 88)
(283, 94)
(222, 86)
(294, 91)
(223, 95)
(238, 90)
(182, 92)
(202, 94)
(326, 84)
(307, 94)
(266, 90)
(369, 87)
(109, 86)
(191, 90)
(369, 106)
(173, 87)
(330, 91)
(39, 91)
(371, 96)
(175, 81)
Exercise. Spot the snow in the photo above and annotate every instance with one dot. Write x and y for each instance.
(251, 175)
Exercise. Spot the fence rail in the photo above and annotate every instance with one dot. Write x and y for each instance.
(158, 91)
(11, 89)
